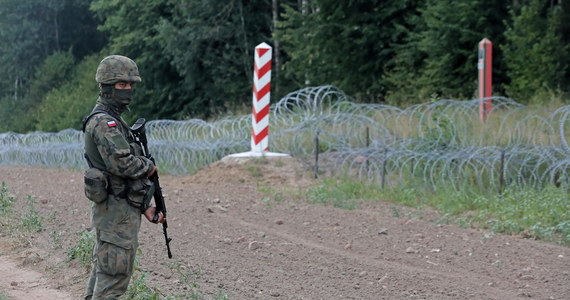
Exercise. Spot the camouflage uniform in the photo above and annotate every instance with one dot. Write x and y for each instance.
(109, 147)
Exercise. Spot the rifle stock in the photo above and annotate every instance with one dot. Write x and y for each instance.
(139, 132)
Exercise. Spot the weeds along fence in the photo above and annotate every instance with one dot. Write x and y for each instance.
(437, 144)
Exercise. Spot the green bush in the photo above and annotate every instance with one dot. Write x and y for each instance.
(21, 115)
(52, 74)
(12, 115)
(535, 55)
(66, 106)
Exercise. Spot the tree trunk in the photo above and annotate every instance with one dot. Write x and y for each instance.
(56, 28)
(305, 11)
(16, 90)
(276, 55)
(305, 7)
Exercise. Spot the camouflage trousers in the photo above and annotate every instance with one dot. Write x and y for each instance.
(115, 249)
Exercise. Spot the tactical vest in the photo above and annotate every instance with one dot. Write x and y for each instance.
(92, 155)
(99, 183)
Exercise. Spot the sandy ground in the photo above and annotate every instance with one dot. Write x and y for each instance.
(231, 239)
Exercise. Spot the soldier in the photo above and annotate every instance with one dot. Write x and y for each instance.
(117, 180)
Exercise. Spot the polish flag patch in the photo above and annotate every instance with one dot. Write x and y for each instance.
(112, 123)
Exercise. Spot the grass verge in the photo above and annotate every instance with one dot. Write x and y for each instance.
(539, 214)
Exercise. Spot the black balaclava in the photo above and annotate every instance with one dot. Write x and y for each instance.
(117, 100)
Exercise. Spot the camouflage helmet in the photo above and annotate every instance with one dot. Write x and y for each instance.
(115, 68)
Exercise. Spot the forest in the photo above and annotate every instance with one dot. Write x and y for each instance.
(196, 56)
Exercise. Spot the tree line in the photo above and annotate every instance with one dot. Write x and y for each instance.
(196, 56)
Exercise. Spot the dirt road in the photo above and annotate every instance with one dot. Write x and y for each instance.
(231, 239)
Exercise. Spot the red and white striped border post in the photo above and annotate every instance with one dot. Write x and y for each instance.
(261, 95)
(260, 111)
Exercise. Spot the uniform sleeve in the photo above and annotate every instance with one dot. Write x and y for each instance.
(116, 153)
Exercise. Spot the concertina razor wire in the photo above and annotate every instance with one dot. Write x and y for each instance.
(440, 143)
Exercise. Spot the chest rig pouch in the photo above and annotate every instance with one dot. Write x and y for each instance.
(139, 192)
(96, 185)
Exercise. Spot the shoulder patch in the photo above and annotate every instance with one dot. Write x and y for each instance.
(112, 123)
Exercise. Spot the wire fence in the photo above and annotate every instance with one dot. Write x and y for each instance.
(441, 143)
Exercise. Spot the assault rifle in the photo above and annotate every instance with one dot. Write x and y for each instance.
(139, 132)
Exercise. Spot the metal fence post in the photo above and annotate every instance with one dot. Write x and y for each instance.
(384, 167)
(317, 155)
(367, 149)
(502, 172)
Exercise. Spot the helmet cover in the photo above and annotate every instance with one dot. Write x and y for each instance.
(115, 68)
